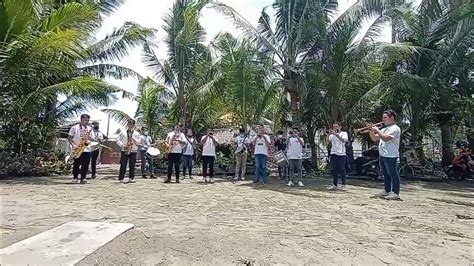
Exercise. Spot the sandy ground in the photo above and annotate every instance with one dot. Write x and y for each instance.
(242, 223)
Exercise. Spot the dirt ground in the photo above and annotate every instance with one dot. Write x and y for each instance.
(242, 223)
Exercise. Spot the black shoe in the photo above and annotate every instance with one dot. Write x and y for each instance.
(152, 177)
(255, 181)
(93, 176)
(177, 180)
(144, 176)
(167, 181)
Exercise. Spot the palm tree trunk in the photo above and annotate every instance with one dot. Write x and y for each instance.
(295, 108)
(447, 142)
(312, 142)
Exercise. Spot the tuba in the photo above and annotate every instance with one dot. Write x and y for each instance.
(130, 143)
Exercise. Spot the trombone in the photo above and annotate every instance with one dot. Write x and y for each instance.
(367, 128)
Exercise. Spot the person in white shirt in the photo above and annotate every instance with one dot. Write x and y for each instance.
(295, 156)
(81, 132)
(98, 137)
(133, 137)
(262, 144)
(188, 153)
(389, 145)
(209, 144)
(242, 143)
(175, 142)
(338, 141)
(146, 142)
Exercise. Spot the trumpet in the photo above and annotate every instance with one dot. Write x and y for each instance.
(367, 128)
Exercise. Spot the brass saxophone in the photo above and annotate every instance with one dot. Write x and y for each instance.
(129, 144)
(79, 149)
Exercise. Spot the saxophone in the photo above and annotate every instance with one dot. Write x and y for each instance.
(79, 149)
(129, 144)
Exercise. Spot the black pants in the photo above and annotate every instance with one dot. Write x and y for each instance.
(131, 159)
(208, 162)
(174, 159)
(338, 167)
(83, 163)
(95, 155)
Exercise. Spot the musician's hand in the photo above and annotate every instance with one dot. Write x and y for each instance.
(374, 129)
(331, 132)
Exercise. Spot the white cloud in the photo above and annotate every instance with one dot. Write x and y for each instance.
(150, 13)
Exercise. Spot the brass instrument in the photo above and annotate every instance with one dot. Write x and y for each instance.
(79, 149)
(367, 128)
(130, 143)
(171, 143)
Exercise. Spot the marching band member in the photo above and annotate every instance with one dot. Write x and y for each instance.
(389, 151)
(242, 142)
(338, 141)
(209, 145)
(295, 156)
(146, 142)
(188, 153)
(281, 146)
(262, 145)
(129, 141)
(80, 135)
(174, 141)
(98, 137)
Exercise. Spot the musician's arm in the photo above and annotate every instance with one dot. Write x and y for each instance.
(254, 141)
(216, 143)
(300, 139)
(120, 140)
(203, 140)
(266, 139)
(385, 137)
(374, 136)
(181, 140)
(70, 137)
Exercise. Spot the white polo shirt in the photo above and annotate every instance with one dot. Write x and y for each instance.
(338, 147)
(260, 145)
(209, 148)
(295, 149)
(177, 147)
(78, 131)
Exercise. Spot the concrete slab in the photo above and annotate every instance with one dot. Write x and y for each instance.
(64, 245)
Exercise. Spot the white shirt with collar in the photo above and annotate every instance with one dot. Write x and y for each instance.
(261, 146)
(295, 149)
(146, 142)
(177, 147)
(338, 147)
(78, 131)
(189, 146)
(209, 147)
(122, 140)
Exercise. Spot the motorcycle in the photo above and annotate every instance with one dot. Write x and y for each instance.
(368, 163)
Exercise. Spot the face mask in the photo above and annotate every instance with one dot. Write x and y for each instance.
(280, 136)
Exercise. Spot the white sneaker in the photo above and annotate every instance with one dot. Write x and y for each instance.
(126, 180)
(75, 181)
(242, 178)
(381, 194)
(211, 179)
(333, 187)
(300, 184)
(343, 188)
(392, 196)
(236, 177)
(290, 184)
(132, 181)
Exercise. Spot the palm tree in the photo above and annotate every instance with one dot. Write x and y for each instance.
(298, 29)
(47, 53)
(184, 37)
(436, 39)
(154, 102)
(244, 82)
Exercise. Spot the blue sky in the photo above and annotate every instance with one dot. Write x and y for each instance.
(149, 13)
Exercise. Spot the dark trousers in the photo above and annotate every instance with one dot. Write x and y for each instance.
(144, 158)
(125, 159)
(81, 165)
(94, 156)
(208, 163)
(174, 159)
(391, 179)
(187, 164)
(338, 168)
